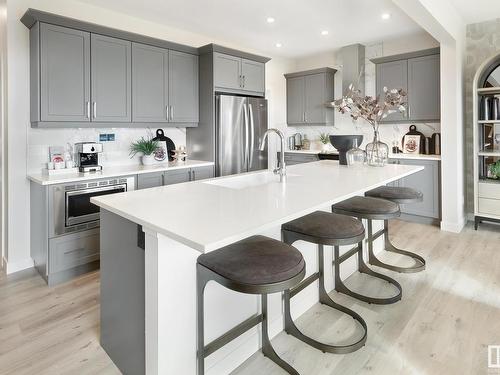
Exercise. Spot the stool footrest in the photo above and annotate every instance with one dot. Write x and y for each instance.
(304, 284)
(231, 335)
(342, 258)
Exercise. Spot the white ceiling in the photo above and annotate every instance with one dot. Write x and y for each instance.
(473, 11)
(298, 23)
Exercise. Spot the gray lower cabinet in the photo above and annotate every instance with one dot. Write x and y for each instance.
(307, 95)
(428, 182)
(175, 176)
(111, 79)
(236, 74)
(292, 158)
(183, 87)
(150, 84)
(64, 70)
(202, 173)
(149, 180)
(424, 95)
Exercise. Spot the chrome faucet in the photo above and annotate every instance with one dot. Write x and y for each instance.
(281, 169)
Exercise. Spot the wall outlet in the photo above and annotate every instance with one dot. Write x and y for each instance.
(103, 137)
(111, 137)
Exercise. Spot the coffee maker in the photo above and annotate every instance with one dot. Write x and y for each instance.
(87, 156)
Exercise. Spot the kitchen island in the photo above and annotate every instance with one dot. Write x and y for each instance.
(150, 240)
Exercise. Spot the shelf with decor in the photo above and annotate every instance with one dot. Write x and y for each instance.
(486, 137)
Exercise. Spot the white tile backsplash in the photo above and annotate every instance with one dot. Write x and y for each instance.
(114, 153)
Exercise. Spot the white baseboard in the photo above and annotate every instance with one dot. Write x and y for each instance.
(453, 227)
(11, 267)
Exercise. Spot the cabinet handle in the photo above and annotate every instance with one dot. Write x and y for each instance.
(241, 81)
(193, 175)
(171, 112)
(305, 117)
(162, 179)
(167, 108)
(244, 81)
(409, 111)
(87, 104)
(94, 111)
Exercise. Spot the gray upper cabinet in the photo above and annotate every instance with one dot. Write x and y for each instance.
(64, 74)
(418, 73)
(236, 74)
(424, 98)
(111, 79)
(183, 87)
(392, 75)
(150, 83)
(227, 71)
(307, 96)
(253, 75)
(295, 101)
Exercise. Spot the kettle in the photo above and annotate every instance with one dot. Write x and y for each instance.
(298, 140)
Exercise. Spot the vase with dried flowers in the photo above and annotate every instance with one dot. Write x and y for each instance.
(372, 110)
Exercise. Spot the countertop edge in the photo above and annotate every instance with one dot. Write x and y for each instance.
(203, 248)
(41, 179)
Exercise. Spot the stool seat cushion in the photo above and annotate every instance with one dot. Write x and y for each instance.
(325, 225)
(367, 208)
(256, 260)
(396, 194)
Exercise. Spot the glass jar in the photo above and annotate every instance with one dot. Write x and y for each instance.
(377, 152)
(355, 156)
(306, 143)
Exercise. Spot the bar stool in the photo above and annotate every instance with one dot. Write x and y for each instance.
(323, 228)
(399, 195)
(256, 265)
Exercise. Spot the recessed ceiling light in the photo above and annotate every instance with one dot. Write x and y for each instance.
(385, 16)
(279, 45)
(324, 32)
(270, 20)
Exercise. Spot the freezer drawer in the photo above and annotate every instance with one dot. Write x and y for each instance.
(73, 250)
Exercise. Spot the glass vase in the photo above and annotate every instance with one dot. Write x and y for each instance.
(355, 156)
(377, 152)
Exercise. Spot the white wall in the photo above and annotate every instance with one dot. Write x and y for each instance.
(3, 117)
(28, 147)
(343, 124)
(443, 22)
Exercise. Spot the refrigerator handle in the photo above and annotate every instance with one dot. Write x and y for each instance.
(245, 116)
(252, 135)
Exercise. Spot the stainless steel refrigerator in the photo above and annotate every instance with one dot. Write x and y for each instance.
(240, 125)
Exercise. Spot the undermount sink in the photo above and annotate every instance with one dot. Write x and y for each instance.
(248, 180)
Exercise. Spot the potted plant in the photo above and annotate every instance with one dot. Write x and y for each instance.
(324, 138)
(146, 147)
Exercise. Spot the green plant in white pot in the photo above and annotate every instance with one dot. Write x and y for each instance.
(324, 138)
(146, 147)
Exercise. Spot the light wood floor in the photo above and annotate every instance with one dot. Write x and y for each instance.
(448, 316)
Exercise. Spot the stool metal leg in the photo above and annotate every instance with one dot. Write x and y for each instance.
(363, 268)
(267, 348)
(324, 299)
(201, 282)
(373, 260)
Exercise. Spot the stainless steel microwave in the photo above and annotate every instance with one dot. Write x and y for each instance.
(71, 209)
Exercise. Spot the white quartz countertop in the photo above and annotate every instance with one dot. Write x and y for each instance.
(415, 156)
(311, 152)
(209, 214)
(114, 171)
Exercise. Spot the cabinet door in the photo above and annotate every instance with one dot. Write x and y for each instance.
(424, 88)
(393, 75)
(183, 87)
(426, 181)
(253, 75)
(227, 71)
(295, 100)
(149, 180)
(73, 250)
(111, 79)
(65, 74)
(177, 176)
(202, 173)
(315, 86)
(150, 83)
